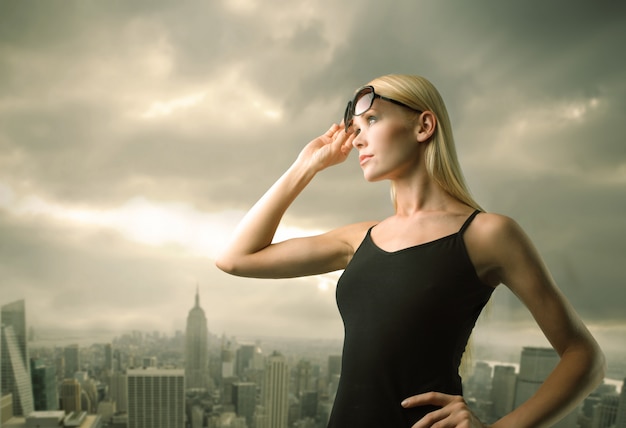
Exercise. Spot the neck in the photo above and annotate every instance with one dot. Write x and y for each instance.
(419, 194)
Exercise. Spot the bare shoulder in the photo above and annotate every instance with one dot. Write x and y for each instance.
(495, 242)
(491, 229)
(352, 234)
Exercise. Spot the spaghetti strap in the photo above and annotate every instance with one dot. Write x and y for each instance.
(468, 221)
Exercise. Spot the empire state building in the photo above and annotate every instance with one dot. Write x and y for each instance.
(196, 348)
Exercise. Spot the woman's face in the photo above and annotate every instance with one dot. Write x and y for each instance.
(386, 138)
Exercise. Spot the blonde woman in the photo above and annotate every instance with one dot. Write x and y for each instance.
(414, 283)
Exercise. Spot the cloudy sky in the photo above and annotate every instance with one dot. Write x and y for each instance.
(134, 134)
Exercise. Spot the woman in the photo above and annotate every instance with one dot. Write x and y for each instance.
(414, 283)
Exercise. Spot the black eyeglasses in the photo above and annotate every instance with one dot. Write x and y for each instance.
(363, 101)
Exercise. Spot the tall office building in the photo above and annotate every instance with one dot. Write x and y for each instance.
(334, 366)
(14, 361)
(71, 396)
(243, 361)
(108, 357)
(503, 390)
(197, 348)
(244, 399)
(308, 404)
(620, 421)
(44, 381)
(276, 391)
(605, 412)
(228, 359)
(118, 391)
(535, 366)
(303, 378)
(156, 398)
(71, 356)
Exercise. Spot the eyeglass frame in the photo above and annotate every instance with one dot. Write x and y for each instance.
(350, 111)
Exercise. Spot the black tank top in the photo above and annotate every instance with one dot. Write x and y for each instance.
(407, 317)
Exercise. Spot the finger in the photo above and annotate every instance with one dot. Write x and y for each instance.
(332, 131)
(433, 398)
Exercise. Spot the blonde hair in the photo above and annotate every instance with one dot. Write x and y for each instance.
(441, 159)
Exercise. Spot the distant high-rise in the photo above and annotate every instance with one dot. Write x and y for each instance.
(71, 355)
(197, 348)
(14, 361)
(118, 391)
(108, 357)
(620, 421)
(245, 355)
(228, 360)
(276, 391)
(535, 366)
(156, 398)
(244, 399)
(303, 378)
(71, 396)
(14, 314)
(308, 404)
(503, 390)
(334, 366)
(605, 412)
(44, 385)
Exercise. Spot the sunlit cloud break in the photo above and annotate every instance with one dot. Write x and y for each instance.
(160, 108)
(145, 221)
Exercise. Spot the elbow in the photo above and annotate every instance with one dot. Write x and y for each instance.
(599, 367)
(226, 264)
(596, 365)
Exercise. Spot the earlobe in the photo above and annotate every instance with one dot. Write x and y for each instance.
(427, 123)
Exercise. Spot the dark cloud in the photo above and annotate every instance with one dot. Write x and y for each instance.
(207, 103)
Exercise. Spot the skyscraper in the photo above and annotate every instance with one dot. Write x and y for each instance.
(156, 398)
(276, 390)
(535, 366)
(503, 390)
(334, 366)
(44, 385)
(244, 399)
(71, 395)
(303, 378)
(605, 412)
(196, 348)
(15, 366)
(118, 391)
(244, 357)
(108, 357)
(71, 355)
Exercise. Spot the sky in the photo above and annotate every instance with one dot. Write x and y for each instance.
(135, 134)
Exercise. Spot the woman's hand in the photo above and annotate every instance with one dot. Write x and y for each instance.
(454, 411)
(328, 149)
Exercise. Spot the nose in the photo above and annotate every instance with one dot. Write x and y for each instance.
(359, 140)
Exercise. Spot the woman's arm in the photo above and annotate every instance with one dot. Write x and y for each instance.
(582, 365)
(502, 253)
(251, 252)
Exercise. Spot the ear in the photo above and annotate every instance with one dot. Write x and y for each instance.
(426, 125)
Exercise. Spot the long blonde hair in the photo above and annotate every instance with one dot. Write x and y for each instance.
(441, 159)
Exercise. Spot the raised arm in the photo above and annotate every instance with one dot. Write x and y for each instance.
(251, 251)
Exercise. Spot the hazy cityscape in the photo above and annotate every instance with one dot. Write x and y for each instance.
(196, 379)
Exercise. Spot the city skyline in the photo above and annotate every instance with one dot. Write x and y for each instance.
(152, 372)
(133, 138)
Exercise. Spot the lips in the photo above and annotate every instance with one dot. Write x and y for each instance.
(364, 158)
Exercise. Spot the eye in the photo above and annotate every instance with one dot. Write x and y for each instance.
(371, 119)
